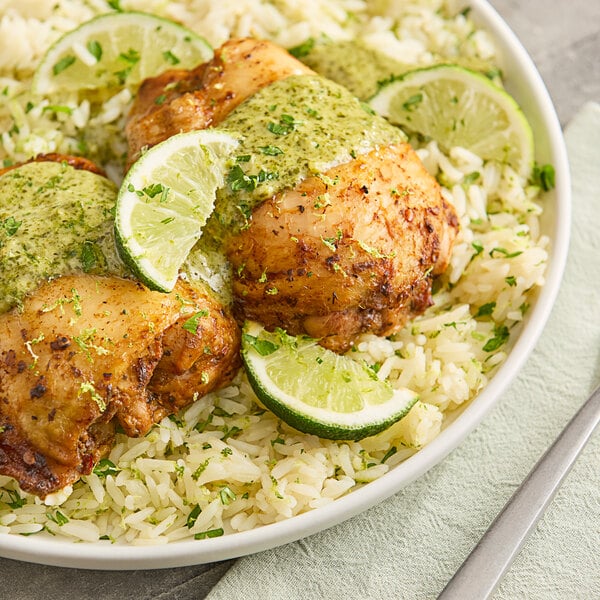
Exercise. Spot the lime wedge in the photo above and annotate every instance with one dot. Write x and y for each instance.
(317, 391)
(459, 107)
(165, 200)
(117, 49)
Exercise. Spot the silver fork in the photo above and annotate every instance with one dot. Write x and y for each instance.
(480, 574)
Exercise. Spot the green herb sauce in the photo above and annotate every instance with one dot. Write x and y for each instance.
(290, 130)
(353, 65)
(55, 220)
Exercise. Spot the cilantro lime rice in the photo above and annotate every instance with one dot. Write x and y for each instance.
(225, 464)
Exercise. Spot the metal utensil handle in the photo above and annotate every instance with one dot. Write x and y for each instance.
(482, 570)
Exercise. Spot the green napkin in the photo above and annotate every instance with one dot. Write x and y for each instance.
(409, 546)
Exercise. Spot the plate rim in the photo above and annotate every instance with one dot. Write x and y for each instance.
(106, 556)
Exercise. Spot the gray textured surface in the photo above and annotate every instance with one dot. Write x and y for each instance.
(563, 38)
(564, 41)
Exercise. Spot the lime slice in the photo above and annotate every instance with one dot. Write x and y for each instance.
(117, 49)
(165, 200)
(317, 391)
(459, 107)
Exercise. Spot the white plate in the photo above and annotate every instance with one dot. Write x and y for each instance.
(524, 82)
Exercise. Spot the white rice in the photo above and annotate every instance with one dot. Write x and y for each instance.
(224, 464)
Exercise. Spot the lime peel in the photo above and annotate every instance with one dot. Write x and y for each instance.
(317, 391)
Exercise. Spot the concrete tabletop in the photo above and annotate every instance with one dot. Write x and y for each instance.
(563, 38)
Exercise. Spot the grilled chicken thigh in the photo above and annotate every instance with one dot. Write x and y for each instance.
(204, 96)
(349, 250)
(360, 262)
(88, 352)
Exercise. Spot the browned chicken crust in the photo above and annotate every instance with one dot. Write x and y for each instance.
(350, 252)
(179, 100)
(88, 352)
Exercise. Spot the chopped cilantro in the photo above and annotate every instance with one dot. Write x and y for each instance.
(11, 226)
(501, 335)
(15, 501)
(413, 102)
(193, 516)
(57, 517)
(286, 125)
(505, 252)
(486, 309)
(175, 419)
(544, 177)
(389, 453)
(493, 73)
(132, 56)
(477, 247)
(263, 347)
(122, 75)
(303, 49)
(153, 190)
(95, 49)
(58, 108)
(271, 150)
(192, 323)
(227, 495)
(471, 178)
(90, 256)
(62, 64)
(170, 57)
(230, 431)
(211, 533)
(105, 467)
(238, 180)
(201, 426)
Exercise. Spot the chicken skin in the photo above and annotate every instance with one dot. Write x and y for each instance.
(179, 100)
(87, 352)
(352, 247)
(77, 162)
(334, 260)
